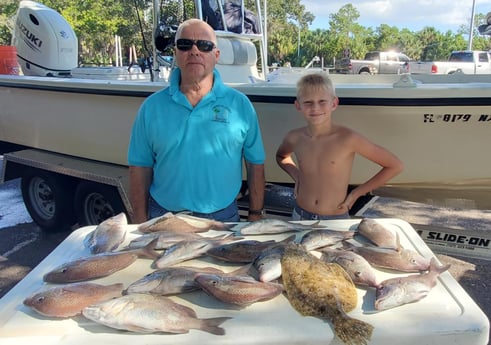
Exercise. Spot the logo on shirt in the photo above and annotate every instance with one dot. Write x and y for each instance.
(220, 113)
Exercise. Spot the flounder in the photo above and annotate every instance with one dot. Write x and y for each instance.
(325, 290)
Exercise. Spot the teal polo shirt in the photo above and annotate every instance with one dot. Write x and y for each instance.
(196, 152)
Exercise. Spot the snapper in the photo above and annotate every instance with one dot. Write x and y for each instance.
(395, 292)
(145, 313)
(181, 222)
(69, 300)
(378, 234)
(108, 235)
(97, 266)
(358, 268)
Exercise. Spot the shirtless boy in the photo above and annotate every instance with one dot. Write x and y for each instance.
(324, 154)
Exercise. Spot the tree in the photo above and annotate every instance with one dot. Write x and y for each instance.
(7, 13)
(387, 38)
(287, 21)
(289, 39)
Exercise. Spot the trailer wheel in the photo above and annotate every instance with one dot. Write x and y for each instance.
(48, 199)
(95, 202)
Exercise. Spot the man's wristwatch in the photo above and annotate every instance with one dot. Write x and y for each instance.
(260, 212)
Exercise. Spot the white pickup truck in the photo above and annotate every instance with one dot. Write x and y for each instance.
(466, 61)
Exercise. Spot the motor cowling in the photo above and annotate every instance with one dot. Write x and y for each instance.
(46, 44)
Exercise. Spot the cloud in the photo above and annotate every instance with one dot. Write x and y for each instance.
(412, 14)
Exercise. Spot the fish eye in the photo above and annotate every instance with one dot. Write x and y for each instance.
(214, 282)
(40, 299)
(357, 274)
(63, 270)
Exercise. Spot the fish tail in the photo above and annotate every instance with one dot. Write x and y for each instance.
(149, 251)
(223, 226)
(352, 331)
(437, 268)
(316, 225)
(212, 325)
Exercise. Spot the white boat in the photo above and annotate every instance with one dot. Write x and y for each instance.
(438, 125)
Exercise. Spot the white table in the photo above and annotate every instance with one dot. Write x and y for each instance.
(446, 316)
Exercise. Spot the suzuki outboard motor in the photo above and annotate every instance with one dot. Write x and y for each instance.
(46, 44)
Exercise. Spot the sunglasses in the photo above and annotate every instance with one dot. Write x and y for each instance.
(185, 44)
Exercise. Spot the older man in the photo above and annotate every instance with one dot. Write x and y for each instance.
(189, 139)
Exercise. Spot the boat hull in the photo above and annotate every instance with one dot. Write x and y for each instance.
(440, 133)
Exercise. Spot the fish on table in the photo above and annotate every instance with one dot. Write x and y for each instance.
(358, 268)
(402, 259)
(165, 239)
(170, 280)
(395, 292)
(319, 238)
(181, 222)
(144, 313)
(190, 249)
(316, 288)
(69, 300)
(98, 265)
(378, 234)
(268, 263)
(237, 290)
(244, 251)
(108, 235)
(267, 226)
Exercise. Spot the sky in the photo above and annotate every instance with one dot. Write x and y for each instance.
(414, 15)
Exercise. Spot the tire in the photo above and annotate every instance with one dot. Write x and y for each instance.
(48, 198)
(95, 202)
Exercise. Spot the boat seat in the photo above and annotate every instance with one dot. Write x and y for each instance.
(234, 51)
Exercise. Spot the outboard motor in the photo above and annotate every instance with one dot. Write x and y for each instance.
(46, 44)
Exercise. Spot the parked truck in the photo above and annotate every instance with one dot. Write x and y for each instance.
(376, 62)
(464, 61)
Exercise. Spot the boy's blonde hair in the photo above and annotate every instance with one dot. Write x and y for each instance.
(315, 81)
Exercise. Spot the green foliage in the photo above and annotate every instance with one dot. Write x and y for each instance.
(96, 22)
(7, 13)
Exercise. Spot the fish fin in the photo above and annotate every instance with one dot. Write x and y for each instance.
(149, 251)
(353, 331)
(89, 239)
(350, 330)
(435, 267)
(143, 227)
(287, 240)
(316, 225)
(222, 236)
(216, 225)
(212, 325)
(398, 243)
(348, 235)
(137, 328)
